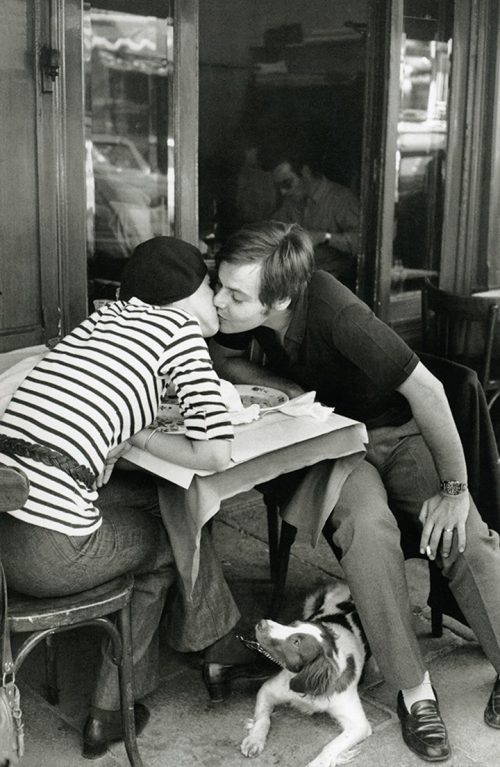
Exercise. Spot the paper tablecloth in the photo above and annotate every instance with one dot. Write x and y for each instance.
(185, 511)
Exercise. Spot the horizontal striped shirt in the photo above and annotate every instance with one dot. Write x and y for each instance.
(100, 385)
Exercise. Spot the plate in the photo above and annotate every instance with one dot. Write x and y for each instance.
(264, 396)
(170, 420)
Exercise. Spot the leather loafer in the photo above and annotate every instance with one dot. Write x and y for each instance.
(492, 710)
(423, 730)
(218, 677)
(98, 734)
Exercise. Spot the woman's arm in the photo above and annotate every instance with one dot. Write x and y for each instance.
(210, 454)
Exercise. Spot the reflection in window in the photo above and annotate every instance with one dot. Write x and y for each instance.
(421, 151)
(282, 92)
(128, 136)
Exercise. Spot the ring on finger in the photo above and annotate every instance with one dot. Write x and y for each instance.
(449, 530)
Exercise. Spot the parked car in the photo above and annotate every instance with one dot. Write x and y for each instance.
(126, 204)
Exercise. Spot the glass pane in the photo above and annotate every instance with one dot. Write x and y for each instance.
(421, 145)
(282, 76)
(128, 135)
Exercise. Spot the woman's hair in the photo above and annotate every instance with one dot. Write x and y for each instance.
(285, 252)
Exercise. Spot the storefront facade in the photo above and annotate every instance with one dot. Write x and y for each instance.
(125, 120)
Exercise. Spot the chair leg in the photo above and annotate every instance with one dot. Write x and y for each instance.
(127, 689)
(436, 622)
(51, 670)
(435, 601)
(287, 537)
(272, 536)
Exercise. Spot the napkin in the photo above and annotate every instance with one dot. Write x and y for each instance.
(304, 405)
(232, 400)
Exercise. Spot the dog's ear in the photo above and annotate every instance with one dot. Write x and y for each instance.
(316, 678)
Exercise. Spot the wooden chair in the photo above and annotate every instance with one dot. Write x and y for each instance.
(42, 618)
(281, 540)
(461, 329)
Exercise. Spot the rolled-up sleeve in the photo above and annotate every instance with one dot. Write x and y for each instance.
(189, 368)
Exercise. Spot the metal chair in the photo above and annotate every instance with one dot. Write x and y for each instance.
(42, 618)
(461, 329)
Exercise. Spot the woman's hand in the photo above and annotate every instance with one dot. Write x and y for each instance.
(114, 454)
(442, 518)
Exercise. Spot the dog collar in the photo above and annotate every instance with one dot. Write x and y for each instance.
(253, 645)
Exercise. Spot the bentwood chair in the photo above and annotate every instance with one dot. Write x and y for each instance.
(462, 329)
(42, 618)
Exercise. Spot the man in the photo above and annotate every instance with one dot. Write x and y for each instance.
(412, 487)
(328, 211)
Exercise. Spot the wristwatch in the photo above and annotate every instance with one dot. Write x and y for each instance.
(453, 487)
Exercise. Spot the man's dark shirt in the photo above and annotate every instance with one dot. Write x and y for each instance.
(336, 346)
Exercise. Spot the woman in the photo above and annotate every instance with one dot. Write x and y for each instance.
(68, 423)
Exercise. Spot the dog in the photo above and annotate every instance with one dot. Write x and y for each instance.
(322, 659)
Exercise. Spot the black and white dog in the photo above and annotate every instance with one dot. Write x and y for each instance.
(322, 658)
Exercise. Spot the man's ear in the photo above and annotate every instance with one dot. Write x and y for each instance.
(282, 305)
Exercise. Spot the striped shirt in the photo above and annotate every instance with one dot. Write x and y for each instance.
(100, 385)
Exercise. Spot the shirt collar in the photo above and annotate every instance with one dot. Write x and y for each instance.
(297, 328)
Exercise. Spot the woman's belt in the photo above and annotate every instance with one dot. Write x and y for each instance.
(22, 449)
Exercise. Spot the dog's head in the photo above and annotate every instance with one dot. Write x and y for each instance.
(309, 651)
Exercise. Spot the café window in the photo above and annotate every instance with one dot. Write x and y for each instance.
(129, 139)
(421, 153)
(274, 75)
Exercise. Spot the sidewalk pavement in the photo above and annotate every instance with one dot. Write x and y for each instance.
(186, 729)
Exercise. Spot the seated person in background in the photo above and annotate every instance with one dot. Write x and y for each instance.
(64, 428)
(410, 493)
(255, 192)
(328, 211)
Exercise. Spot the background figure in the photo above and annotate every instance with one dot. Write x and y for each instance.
(327, 210)
(256, 196)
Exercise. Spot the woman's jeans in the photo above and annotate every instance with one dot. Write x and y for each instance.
(376, 520)
(132, 538)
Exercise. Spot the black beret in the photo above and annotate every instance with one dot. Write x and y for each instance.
(162, 270)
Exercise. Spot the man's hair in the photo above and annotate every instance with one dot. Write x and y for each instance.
(285, 252)
(295, 154)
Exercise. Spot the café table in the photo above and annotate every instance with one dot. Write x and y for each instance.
(273, 445)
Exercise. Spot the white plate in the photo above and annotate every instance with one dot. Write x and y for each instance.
(264, 396)
(170, 420)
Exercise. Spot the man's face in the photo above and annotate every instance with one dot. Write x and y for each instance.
(288, 183)
(201, 305)
(237, 298)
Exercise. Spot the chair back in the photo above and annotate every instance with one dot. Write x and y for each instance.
(459, 328)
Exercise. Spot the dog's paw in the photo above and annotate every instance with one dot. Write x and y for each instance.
(252, 745)
(331, 760)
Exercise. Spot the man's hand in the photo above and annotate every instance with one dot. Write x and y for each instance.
(116, 453)
(442, 518)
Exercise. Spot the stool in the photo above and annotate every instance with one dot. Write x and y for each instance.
(43, 618)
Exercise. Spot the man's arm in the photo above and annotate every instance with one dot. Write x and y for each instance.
(432, 413)
(232, 365)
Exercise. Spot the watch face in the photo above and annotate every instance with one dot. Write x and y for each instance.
(453, 487)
